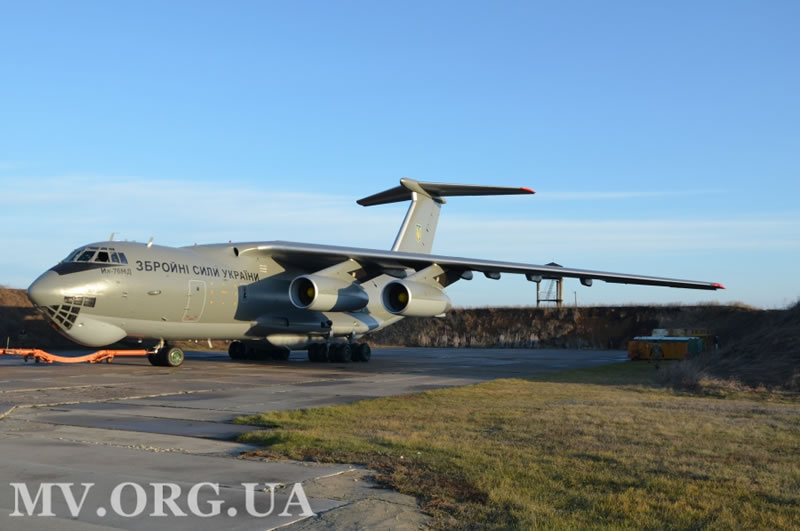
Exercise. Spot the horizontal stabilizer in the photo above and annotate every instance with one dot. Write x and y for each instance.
(436, 191)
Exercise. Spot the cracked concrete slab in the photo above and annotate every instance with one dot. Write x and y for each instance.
(170, 426)
(368, 505)
(104, 468)
(151, 442)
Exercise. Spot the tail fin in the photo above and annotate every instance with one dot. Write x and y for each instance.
(419, 226)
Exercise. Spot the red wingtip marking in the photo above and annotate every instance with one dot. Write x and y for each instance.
(718, 285)
(528, 190)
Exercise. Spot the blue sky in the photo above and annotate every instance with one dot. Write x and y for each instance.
(661, 137)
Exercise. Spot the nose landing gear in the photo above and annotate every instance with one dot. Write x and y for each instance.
(166, 356)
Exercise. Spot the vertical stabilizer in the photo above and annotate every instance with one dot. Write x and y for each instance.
(419, 226)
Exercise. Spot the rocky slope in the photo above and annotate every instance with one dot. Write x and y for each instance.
(592, 327)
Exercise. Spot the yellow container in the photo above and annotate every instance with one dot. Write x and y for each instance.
(672, 348)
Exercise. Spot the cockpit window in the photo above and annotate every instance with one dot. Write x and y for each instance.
(74, 254)
(85, 256)
(103, 255)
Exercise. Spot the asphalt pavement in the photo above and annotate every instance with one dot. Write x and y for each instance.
(139, 435)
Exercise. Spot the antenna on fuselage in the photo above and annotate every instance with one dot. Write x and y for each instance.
(111, 238)
(150, 243)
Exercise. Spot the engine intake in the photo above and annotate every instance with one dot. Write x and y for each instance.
(325, 294)
(412, 299)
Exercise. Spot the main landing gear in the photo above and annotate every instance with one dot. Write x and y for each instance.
(317, 352)
(239, 350)
(166, 356)
(339, 352)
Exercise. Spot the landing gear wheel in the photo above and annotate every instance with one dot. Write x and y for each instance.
(170, 357)
(281, 354)
(152, 358)
(317, 352)
(250, 353)
(258, 353)
(341, 353)
(236, 350)
(323, 352)
(362, 352)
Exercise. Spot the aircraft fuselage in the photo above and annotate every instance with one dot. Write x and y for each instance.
(197, 292)
(293, 295)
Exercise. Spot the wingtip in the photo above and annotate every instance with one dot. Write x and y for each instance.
(527, 190)
(717, 285)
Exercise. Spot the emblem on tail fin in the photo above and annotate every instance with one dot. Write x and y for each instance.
(419, 232)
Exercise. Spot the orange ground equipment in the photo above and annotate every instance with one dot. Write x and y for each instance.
(40, 356)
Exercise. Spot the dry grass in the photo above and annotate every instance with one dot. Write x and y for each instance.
(605, 447)
(767, 355)
(689, 375)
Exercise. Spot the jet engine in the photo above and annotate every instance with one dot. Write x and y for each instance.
(412, 299)
(326, 294)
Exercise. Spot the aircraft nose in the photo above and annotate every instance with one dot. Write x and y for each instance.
(45, 290)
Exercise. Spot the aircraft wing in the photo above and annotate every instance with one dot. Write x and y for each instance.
(315, 257)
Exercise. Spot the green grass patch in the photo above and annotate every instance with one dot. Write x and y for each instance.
(601, 447)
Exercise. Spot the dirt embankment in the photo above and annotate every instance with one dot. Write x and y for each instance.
(758, 346)
(592, 327)
(22, 326)
(764, 353)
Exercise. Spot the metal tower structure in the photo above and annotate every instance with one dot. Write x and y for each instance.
(555, 284)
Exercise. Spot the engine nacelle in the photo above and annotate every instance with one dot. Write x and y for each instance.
(412, 299)
(325, 294)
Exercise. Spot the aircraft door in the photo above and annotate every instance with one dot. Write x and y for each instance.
(195, 301)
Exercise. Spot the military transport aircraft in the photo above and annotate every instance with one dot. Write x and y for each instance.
(272, 297)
